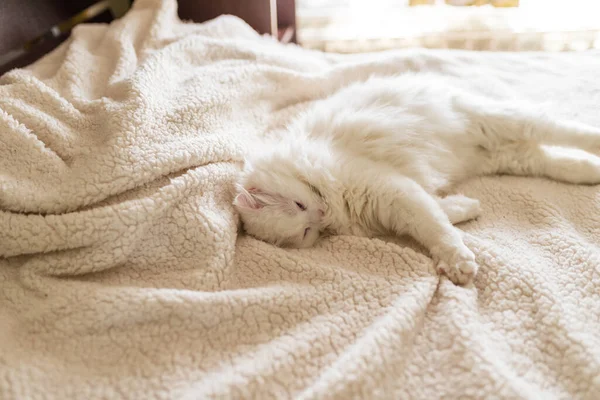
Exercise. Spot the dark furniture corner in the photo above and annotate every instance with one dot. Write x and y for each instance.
(274, 17)
(28, 28)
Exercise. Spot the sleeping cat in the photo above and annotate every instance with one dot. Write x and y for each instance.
(377, 157)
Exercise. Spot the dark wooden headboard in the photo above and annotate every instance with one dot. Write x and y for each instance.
(29, 29)
(275, 17)
(26, 26)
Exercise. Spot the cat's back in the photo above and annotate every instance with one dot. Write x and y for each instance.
(401, 106)
(407, 122)
(409, 91)
(407, 110)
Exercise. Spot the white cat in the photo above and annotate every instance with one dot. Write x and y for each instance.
(377, 157)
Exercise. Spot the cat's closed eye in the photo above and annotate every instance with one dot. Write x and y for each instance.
(300, 206)
(306, 231)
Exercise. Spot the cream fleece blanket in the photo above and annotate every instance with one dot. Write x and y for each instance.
(122, 275)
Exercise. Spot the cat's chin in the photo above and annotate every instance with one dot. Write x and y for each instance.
(308, 245)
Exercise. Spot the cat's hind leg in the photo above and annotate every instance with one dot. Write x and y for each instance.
(569, 165)
(561, 164)
(570, 134)
(498, 122)
(459, 208)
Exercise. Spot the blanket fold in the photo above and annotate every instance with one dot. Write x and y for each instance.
(122, 273)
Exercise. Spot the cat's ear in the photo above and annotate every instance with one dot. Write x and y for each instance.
(246, 199)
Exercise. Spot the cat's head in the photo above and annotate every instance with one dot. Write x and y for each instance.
(279, 207)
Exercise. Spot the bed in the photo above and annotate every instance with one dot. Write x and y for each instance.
(123, 274)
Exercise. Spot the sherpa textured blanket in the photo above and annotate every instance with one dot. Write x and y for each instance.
(123, 276)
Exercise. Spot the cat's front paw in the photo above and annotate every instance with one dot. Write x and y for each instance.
(460, 208)
(460, 272)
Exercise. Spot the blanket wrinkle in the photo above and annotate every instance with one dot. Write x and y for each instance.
(123, 272)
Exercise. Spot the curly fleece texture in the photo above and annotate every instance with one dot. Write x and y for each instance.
(123, 276)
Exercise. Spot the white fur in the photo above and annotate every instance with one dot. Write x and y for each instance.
(376, 157)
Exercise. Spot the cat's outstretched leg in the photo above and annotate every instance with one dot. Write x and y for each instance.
(565, 165)
(499, 122)
(405, 207)
(569, 134)
(561, 164)
(459, 208)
